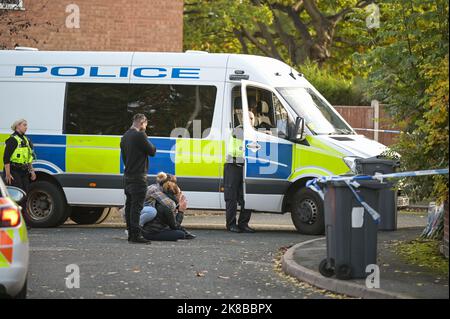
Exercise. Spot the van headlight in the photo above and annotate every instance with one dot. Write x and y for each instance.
(350, 161)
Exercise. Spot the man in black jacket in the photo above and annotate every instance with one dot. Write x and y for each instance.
(135, 149)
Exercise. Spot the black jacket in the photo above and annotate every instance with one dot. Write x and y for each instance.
(136, 149)
(164, 220)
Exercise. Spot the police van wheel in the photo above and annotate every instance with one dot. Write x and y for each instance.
(307, 212)
(46, 205)
(86, 215)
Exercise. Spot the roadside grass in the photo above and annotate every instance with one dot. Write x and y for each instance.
(424, 253)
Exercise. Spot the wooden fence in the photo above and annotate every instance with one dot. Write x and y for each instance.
(364, 117)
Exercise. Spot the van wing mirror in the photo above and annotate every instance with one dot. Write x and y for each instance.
(297, 134)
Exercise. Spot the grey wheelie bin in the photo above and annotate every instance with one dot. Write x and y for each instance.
(351, 232)
(387, 201)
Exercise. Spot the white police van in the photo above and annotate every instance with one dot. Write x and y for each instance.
(78, 104)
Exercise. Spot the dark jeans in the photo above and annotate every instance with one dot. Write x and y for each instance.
(234, 194)
(165, 235)
(135, 190)
(21, 178)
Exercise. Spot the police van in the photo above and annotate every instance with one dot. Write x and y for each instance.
(79, 104)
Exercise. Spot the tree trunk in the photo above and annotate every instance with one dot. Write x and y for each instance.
(321, 48)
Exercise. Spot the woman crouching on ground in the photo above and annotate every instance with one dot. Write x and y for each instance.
(170, 205)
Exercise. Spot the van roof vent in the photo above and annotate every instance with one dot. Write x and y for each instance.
(25, 49)
(196, 51)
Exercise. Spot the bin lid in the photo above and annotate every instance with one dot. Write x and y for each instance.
(370, 184)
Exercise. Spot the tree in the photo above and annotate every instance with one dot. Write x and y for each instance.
(408, 71)
(290, 30)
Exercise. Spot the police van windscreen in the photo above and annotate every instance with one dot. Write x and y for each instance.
(319, 115)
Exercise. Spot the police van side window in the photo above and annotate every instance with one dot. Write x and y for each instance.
(186, 108)
(108, 108)
(282, 120)
(98, 109)
(270, 116)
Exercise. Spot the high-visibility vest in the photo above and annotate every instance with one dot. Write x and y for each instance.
(235, 151)
(23, 153)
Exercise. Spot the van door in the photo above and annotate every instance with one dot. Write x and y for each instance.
(268, 152)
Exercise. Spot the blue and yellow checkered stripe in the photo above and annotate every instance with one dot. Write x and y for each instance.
(88, 154)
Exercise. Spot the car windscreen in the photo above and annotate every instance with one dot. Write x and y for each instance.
(319, 115)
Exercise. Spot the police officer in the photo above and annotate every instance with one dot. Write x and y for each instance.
(18, 157)
(233, 183)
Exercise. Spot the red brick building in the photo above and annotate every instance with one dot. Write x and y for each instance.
(101, 25)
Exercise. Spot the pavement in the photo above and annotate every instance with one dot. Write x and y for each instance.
(398, 279)
(198, 219)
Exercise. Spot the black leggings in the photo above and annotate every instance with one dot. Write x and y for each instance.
(165, 235)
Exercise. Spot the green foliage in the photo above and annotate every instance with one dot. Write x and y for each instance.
(408, 71)
(403, 63)
(268, 27)
(424, 253)
(210, 25)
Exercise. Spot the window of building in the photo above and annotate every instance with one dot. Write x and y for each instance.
(108, 108)
(11, 4)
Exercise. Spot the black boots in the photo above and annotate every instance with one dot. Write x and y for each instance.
(138, 239)
(240, 229)
(246, 229)
(234, 229)
(188, 235)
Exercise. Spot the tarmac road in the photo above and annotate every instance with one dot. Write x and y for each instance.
(217, 264)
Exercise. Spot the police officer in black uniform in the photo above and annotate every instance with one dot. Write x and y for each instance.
(233, 177)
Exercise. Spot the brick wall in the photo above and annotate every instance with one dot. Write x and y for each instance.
(105, 25)
(445, 241)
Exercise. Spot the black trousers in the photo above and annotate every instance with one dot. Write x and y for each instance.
(135, 190)
(21, 178)
(166, 235)
(234, 193)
